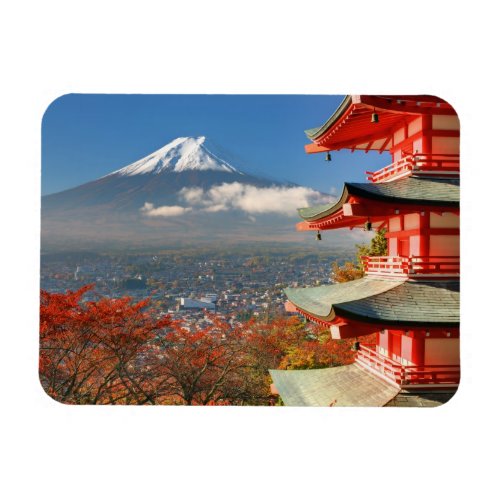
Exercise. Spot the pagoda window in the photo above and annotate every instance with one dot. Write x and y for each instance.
(415, 126)
(411, 221)
(406, 349)
(383, 343)
(445, 145)
(415, 247)
(395, 224)
(393, 246)
(399, 136)
(442, 351)
(445, 220)
(442, 244)
(445, 122)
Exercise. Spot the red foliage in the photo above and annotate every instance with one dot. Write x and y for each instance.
(90, 352)
(201, 366)
(114, 351)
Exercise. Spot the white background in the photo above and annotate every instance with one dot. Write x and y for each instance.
(51, 48)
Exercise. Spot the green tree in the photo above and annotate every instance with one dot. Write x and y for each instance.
(350, 271)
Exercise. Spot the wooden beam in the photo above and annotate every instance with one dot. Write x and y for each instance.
(387, 141)
(314, 148)
(358, 140)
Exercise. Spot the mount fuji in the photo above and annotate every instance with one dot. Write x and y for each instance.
(180, 194)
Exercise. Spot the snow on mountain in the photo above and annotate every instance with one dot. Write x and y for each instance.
(180, 155)
(180, 193)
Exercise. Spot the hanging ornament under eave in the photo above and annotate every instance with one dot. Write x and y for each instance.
(368, 226)
(374, 117)
(328, 157)
(318, 236)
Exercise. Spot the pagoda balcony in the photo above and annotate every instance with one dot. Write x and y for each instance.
(405, 376)
(414, 267)
(441, 165)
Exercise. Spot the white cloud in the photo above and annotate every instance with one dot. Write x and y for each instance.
(192, 195)
(237, 196)
(252, 199)
(164, 211)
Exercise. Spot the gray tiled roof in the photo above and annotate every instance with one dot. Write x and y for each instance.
(319, 300)
(422, 399)
(347, 385)
(410, 190)
(383, 301)
(314, 133)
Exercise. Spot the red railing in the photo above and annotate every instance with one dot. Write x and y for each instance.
(407, 375)
(368, 356)
(415, 266)
(430, 164)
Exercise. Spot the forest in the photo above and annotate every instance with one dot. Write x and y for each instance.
(116, 351)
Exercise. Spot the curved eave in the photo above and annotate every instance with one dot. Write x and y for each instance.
(345, 105)
(362, 191)
(320, 302)
(311, 214)
(350, 126)
(382, 302)
(439, 193)
(345, 314)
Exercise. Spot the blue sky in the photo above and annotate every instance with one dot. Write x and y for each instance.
(85, 136)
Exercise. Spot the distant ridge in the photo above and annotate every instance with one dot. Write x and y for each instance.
(181, 193)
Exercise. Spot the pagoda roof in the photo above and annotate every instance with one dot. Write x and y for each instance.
(409, 190)
(350, 126)
(383, 301)
(347, 385)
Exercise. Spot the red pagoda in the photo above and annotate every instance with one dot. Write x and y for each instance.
(410, 297)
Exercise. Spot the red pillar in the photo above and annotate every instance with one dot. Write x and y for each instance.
(426, 134)
(418, 350)
(425, 223)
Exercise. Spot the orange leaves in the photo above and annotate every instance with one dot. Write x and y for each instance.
(88, 349)
(115, 351)
(348, 272)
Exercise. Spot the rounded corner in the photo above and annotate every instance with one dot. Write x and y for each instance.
(445, 403)
(47, 394)
(453, 396)
(52, 104)
(446, 101)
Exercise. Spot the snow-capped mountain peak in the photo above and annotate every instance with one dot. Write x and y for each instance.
(180, 155)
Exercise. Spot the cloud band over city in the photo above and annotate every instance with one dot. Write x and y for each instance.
(250, 199)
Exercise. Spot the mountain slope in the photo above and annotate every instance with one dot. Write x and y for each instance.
(180, 155)
(157, 179)
(181, 193)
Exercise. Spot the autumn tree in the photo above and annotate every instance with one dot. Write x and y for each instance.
(91, 352)
(289, 343)
(200, 365)
(115, 351)
(349, 270)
